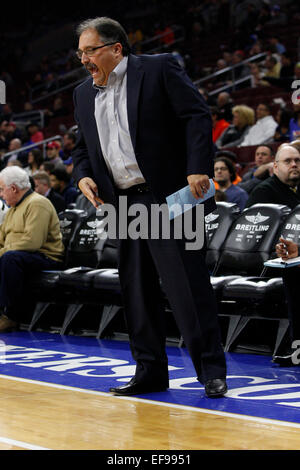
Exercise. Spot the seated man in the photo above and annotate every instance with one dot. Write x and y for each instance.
(61, 182)
(287, 249)
(30, 241)
(43, 186)
(225, 175)
(263, 130)
(282, 187)
(264, 155)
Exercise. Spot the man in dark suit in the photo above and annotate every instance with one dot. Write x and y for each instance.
(43, 186)
(144, 132)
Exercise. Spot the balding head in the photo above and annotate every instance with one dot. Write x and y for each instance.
(287, 165)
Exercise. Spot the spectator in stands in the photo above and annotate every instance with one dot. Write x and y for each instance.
(233, 158)
(294, 125)
(14, 144)
(43, 187)
(8, 132)
(243, 119)
(53, 149)
(288, 73)
(225, 104)
(263, 130)
(61, 182)
(256, 75)
(68, 144)
(225, 175)
(242, 70)
(264, 155)
(278, 17)
(219, 124)
(35, 159)
(282, 133)
(34, 133)
(47, 167)
(58, 109)
(135, 37)
(69, 165)
(272, 66)
(282, 187)
(287, 249)
(30, 241)
(275, 41)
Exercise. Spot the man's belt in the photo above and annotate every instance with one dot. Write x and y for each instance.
(135, 189)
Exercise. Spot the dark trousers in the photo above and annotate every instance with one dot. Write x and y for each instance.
(15, 268)
(143, 263)
(291, 280)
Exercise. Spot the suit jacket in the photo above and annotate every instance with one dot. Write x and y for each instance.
(169, 123)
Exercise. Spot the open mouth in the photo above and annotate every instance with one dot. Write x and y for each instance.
(92, 69)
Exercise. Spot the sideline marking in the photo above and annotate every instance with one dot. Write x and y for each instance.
(25, 445)
(224, 414)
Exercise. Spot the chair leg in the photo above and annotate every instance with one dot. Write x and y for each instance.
(71, 313)
(39, 310)
(281, 332)
(108, 313)
(236, 326)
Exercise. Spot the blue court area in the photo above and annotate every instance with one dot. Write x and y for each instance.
(257, 387)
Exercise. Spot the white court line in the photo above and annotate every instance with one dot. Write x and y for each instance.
(225, 414)
(22, 444)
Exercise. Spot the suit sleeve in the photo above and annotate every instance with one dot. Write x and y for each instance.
(79, 154)
(190, 108)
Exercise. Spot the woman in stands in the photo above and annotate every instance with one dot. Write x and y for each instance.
(35, 159)
(243, 119)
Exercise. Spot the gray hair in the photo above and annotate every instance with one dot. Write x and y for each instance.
(15, 175)
(108, 29)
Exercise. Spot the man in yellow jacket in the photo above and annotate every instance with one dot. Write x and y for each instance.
(30, 241)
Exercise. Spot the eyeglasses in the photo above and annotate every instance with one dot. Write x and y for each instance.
(221, 168)
(90, 51)
(288, 161)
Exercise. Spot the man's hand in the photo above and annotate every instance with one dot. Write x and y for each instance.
(286, 249)
(89, 188)
(199, 185)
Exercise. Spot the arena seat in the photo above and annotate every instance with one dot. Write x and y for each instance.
(249, 243)
(83, 252)
(262, 297)
(217, 225)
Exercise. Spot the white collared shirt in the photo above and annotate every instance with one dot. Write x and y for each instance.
(113, 129)
(261, 132)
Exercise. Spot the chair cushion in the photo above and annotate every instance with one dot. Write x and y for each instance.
(254, 288)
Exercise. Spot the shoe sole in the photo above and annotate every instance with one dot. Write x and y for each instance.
(217, 395)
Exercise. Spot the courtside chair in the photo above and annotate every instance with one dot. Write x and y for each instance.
(264, 295)
(250, 242)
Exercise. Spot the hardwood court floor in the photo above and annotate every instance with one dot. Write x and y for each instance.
(35, 415)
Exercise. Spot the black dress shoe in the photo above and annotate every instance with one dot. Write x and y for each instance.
(290, 360)
(215, 388)
(137, 388)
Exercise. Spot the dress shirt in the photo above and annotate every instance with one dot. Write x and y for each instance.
(262, 132)
(113, 129)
